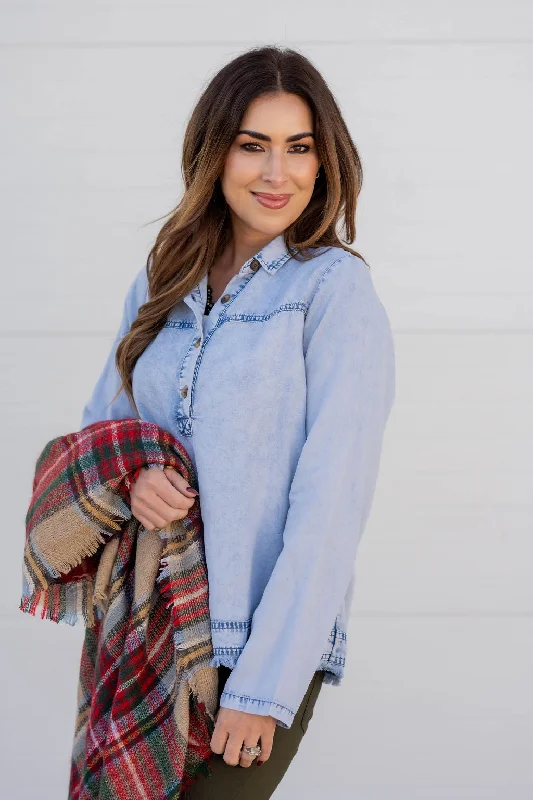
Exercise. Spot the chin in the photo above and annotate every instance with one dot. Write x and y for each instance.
(267, 227)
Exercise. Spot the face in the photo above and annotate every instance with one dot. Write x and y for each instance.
(267, 180)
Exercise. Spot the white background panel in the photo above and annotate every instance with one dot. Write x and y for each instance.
(437, 702)
(91, 160)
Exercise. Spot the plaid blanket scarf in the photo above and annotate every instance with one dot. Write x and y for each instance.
(146, 693)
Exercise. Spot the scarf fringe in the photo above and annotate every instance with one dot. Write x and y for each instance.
(62, 602)
(86, 543)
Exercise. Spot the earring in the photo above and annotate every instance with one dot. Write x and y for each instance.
(318, 174)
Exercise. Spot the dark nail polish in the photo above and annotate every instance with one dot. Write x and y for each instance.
(260, 763)
(190, 489)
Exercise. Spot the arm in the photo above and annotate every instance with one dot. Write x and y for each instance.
(350, 371)
(99, 406)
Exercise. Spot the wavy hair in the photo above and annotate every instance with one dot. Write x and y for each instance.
(198, 229)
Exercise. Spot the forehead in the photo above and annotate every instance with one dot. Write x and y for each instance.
(284, 114)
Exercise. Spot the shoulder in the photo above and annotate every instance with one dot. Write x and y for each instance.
(346, 322)
(344, 280)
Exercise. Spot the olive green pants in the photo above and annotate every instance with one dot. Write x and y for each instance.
(243, 783)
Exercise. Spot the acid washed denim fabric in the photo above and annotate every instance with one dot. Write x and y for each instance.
(280, 396)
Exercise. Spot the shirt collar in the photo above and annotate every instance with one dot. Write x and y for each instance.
(271, 257)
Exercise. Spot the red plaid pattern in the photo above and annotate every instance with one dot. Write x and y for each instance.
(146, 692)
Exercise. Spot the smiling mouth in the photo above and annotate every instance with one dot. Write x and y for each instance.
(274, 201)
(269, 196)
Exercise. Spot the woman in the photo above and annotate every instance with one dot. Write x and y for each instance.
(256, 337)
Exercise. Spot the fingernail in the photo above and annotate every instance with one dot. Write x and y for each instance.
(190, 489)
(260, 763)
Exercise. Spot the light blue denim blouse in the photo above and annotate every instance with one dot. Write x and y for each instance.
(280, 396)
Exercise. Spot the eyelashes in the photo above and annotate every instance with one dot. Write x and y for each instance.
(247, 145)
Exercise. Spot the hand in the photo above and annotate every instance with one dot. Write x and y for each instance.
(233, 729)
(159, 496)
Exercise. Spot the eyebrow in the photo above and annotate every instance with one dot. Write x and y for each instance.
(265, 138)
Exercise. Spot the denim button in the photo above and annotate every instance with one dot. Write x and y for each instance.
(198, 342)
(254, 266)
(184, 391)
(225, 298)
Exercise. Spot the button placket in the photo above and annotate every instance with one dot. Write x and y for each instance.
(185, 378)
(190, 365)
(228, 296)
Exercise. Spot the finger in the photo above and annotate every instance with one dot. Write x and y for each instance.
(146, 498)
(158, 484)
(179, 482)
(143, 520)
(232, 753)
(140, 509)
(174, 491)
(146, 521)
(246, 760)
(219, 738)
(266, 747)
(155, 505)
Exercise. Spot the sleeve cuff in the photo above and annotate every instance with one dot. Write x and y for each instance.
(283, 715)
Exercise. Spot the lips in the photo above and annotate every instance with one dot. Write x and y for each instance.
(272, 200)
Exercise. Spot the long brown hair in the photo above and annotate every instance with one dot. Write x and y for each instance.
(198, 229)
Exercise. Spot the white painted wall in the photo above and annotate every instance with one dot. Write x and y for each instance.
(437, 703)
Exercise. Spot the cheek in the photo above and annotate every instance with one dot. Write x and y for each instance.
(304, 173)
(238, 170)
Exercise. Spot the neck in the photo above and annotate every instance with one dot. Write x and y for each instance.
(244, 244)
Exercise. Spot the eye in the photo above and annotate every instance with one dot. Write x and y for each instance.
(247, 145)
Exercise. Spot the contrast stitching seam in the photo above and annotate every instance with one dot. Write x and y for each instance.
(257, 700)
(325, 274)
(223, 624)
(339, 660)
(296, 306)
(217, 325)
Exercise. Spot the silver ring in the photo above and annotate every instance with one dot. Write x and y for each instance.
(251, 751)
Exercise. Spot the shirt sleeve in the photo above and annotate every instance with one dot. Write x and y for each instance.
(101, 405)
(350, 372)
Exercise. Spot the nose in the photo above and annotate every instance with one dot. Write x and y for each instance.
(275, 170)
